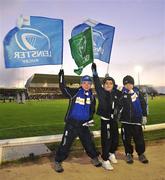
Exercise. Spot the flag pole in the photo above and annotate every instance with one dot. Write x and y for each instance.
(110, 56)
(108, 68)
(61, 66)
(92, 42)
(107, 73)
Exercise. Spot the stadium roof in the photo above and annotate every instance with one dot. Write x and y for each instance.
(51, 79)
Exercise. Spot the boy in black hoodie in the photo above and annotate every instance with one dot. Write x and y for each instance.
(108, 97)
(133, 111)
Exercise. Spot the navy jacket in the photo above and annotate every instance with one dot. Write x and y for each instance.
(72, 94)
(107, 100)
(132, 110)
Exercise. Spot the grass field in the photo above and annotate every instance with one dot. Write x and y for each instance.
(45, 117)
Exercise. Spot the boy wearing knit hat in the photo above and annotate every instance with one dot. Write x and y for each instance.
(108, 97)
(133, 115)
(78, 117)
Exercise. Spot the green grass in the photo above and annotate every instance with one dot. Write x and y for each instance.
(46, 117)
(156, 110)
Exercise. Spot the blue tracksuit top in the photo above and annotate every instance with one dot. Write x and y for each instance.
(81, 108)
(135, 101)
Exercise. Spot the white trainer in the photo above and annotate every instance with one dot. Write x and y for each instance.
(112, 158)
(107, 165)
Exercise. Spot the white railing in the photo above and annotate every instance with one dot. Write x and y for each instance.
(55, 138)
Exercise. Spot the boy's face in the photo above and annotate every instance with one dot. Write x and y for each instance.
(86, 85)
(108, 86)
(128, 86)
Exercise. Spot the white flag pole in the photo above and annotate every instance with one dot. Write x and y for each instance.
(61, 66)
(107, 73)
(91, 22)
(92, 43)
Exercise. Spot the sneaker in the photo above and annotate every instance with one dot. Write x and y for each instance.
(107, 165)
(143, 159)
(58, 167)
(129, 158)
(112, 158)
(95, 161)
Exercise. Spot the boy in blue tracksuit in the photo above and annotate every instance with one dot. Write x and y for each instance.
(80, 112)
(133, 115)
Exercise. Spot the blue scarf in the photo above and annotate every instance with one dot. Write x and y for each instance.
(81, 109)
(135, 101)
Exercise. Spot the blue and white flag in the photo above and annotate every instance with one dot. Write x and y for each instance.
(39, 41)
(102, 38)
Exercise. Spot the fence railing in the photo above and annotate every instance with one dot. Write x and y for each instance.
(55, 138)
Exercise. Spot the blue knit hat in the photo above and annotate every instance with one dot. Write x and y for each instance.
(86, 78)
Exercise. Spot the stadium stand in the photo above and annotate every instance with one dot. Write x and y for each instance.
(9, 94)
(45, 86)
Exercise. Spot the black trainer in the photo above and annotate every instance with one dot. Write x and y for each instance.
(143, 159)
(58, 167)
(95, 161)
(129, 158)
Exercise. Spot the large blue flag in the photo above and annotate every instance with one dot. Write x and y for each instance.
(102, 39)
(38, 42)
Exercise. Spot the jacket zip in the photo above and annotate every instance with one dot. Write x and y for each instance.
(70, 103)
(130, 110)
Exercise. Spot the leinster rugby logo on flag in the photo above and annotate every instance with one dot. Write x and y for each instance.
(30, 39)
(32, 43)
(98, 40)
(38, 42)
(103, 35)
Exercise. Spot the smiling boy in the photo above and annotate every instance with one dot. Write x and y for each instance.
(108, 97)
(80, 111)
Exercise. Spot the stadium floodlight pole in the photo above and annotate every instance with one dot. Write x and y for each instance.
(138, 70)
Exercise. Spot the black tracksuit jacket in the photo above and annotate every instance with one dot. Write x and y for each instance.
(106, 99)
(127, 108)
